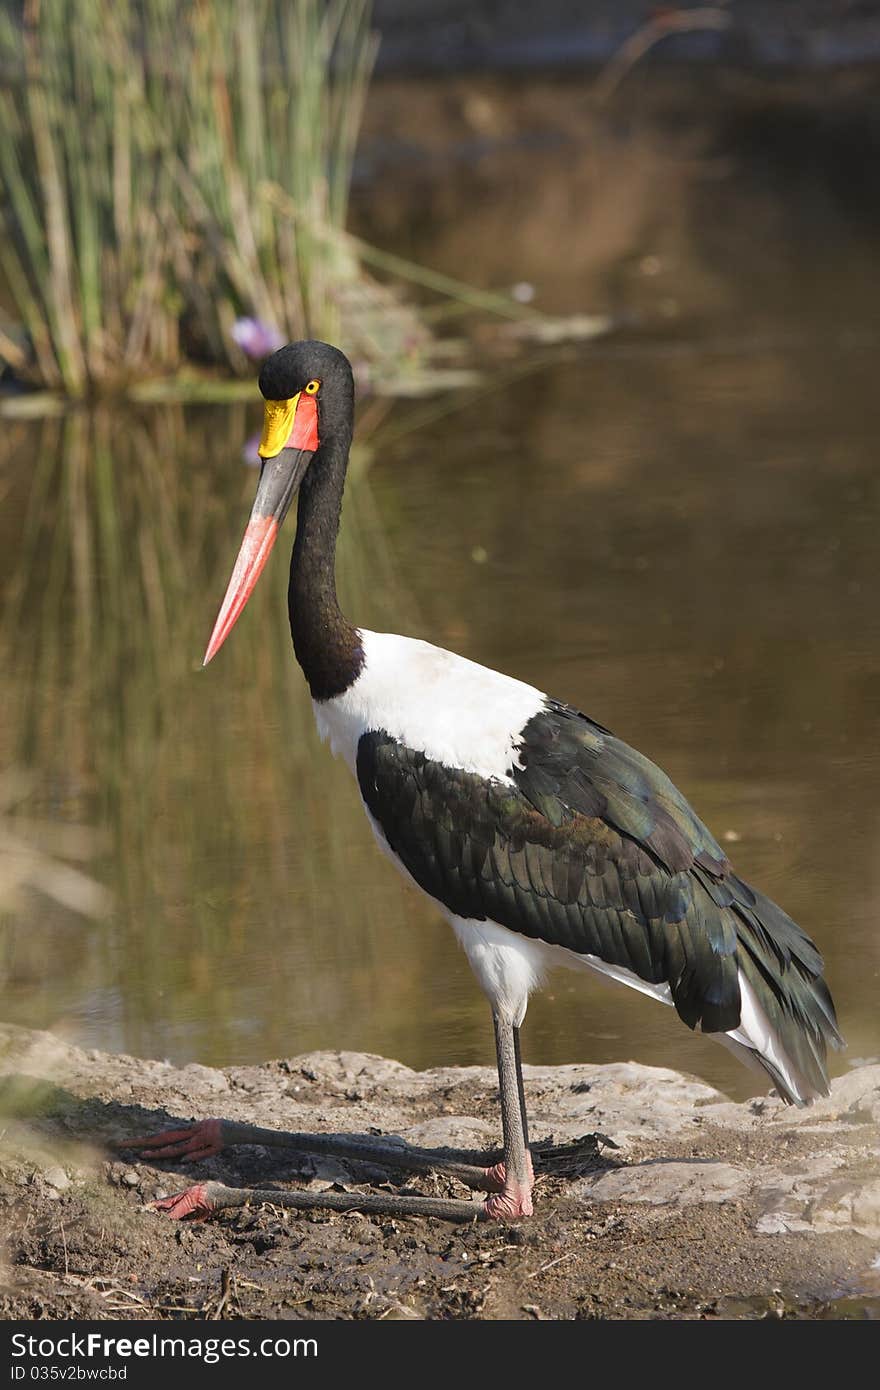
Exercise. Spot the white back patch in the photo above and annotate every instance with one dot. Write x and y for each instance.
(451, 709)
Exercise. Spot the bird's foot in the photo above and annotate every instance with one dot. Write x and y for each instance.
(202, 1140)
(513, 1202)
(195, 1204)
(496, 1176)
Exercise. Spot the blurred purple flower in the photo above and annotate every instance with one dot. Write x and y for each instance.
(255, 338)
(249, 453)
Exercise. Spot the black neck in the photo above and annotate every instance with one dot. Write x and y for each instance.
(327, 647)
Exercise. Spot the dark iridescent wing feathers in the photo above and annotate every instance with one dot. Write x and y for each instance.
(594, 849)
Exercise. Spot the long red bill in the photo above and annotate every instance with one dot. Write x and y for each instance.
(259, 538)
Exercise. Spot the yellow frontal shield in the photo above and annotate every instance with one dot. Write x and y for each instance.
(277, 426)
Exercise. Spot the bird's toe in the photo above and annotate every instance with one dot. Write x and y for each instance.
(511, 1204)
(202, 1140)
(195, 1204)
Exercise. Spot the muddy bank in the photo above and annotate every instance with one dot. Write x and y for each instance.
(704, 1208)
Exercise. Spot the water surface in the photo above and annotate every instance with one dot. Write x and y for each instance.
(679, 538)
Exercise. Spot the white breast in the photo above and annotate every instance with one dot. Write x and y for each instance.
(451, 709)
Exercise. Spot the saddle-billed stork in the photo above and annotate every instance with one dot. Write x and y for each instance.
(543, 838)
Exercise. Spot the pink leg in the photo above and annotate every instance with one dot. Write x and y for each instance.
(515, 1173)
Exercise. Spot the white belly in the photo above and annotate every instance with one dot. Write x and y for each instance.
(509, 966)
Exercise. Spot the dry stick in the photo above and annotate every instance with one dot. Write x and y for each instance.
(550, 1264)
(644, 39)
(226, 1292)
(11, 352)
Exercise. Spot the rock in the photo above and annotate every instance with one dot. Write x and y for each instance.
(854, 1098)
(865, 1109)
(205, 1078)
(866, 1209)
(624, 1099)
(456, 1132)
(324, 1171)
(355, 1073)
(401, 1312)
(57, 1178)
(824, 1208)
(673, 1182)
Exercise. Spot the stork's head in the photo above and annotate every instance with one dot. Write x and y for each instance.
(309, 393)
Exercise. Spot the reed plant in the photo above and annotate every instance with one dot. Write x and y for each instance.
(146, 150)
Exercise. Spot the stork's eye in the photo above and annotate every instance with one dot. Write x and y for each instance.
(313, 388)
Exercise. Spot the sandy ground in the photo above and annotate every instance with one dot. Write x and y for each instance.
(704, 1209)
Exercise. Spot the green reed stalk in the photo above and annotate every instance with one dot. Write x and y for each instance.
(135, 140)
